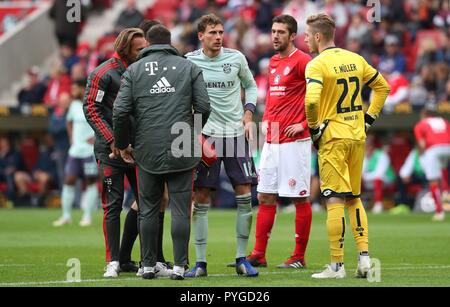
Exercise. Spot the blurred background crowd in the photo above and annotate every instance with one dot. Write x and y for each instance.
(409, 45)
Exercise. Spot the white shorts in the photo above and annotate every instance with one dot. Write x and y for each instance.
(434, 160)
(285, 169)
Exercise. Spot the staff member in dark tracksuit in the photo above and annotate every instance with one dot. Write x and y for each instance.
(161, 91)
(103, 85)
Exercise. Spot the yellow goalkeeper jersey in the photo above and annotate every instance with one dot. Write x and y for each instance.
(334, 82)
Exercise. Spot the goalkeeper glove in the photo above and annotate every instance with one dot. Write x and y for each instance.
(368, 121)
(317, 132)
(209, 154)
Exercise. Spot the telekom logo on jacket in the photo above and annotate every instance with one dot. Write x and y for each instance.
(151, 67)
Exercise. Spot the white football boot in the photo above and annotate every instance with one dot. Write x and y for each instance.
(377, 208)
(112, 270)
(85, 222)
(62, 221)
(177, 273)
(364, 265)
(330, 273)
(162, 270)
(438, 217)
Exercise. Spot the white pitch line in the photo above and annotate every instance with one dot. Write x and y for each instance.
(9, 265)
(36, 283)
(43, 283)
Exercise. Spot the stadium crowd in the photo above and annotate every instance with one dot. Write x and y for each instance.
(410, 46)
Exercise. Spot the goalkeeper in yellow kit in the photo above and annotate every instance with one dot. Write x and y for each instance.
(338, 128)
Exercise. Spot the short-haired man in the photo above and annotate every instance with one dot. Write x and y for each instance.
(162, 91)
(285, 168)
(225, 71)
(333, 101)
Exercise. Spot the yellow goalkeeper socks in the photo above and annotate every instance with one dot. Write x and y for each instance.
(336, 231)
(358, 219)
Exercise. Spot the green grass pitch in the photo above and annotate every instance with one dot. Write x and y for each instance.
(413, 251)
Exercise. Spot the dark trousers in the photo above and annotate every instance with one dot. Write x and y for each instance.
(151, 189)
(112, 178)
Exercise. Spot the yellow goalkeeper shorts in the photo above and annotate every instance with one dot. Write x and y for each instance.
(340, 167)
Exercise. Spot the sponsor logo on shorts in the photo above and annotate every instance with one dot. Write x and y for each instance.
(303, 192)
(292, 182)
(327, 192)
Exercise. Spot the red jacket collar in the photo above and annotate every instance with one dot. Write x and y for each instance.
(115, 55)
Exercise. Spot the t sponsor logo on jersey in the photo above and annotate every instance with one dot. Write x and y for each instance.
(162, 86)
(226, 68)
(286, 71)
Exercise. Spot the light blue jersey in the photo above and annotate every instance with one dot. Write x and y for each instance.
(81, 131)
(224, 76)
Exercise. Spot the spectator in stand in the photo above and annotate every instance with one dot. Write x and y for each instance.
(377, 172)
(42, 173)
(300, 10)
(78, 72)
(261, 82)
(66, 31)
(446, 96)
(428, 53)
(69, 57)
(130, 17)
(392, 54)
(84, 52)
(265, 13)
(398, 83)
(358, 29)
(418, 95)
(188, 11)
(34, 91)
(58, 84)
(354, 7)
(442, 73)
(57, 129)
(103, 51)
(9, 164)
(340, 15)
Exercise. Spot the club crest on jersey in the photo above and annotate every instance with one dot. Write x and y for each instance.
(273, 70)
(286, 71)
(226, 68)
(276, 80)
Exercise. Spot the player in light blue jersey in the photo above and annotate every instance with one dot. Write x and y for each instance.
(228, 128)
(81, 161)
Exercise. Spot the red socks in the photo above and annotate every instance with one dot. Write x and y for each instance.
(434, 188)
(378, 190)
(264, 223)
(303, 217)
(444, 180)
